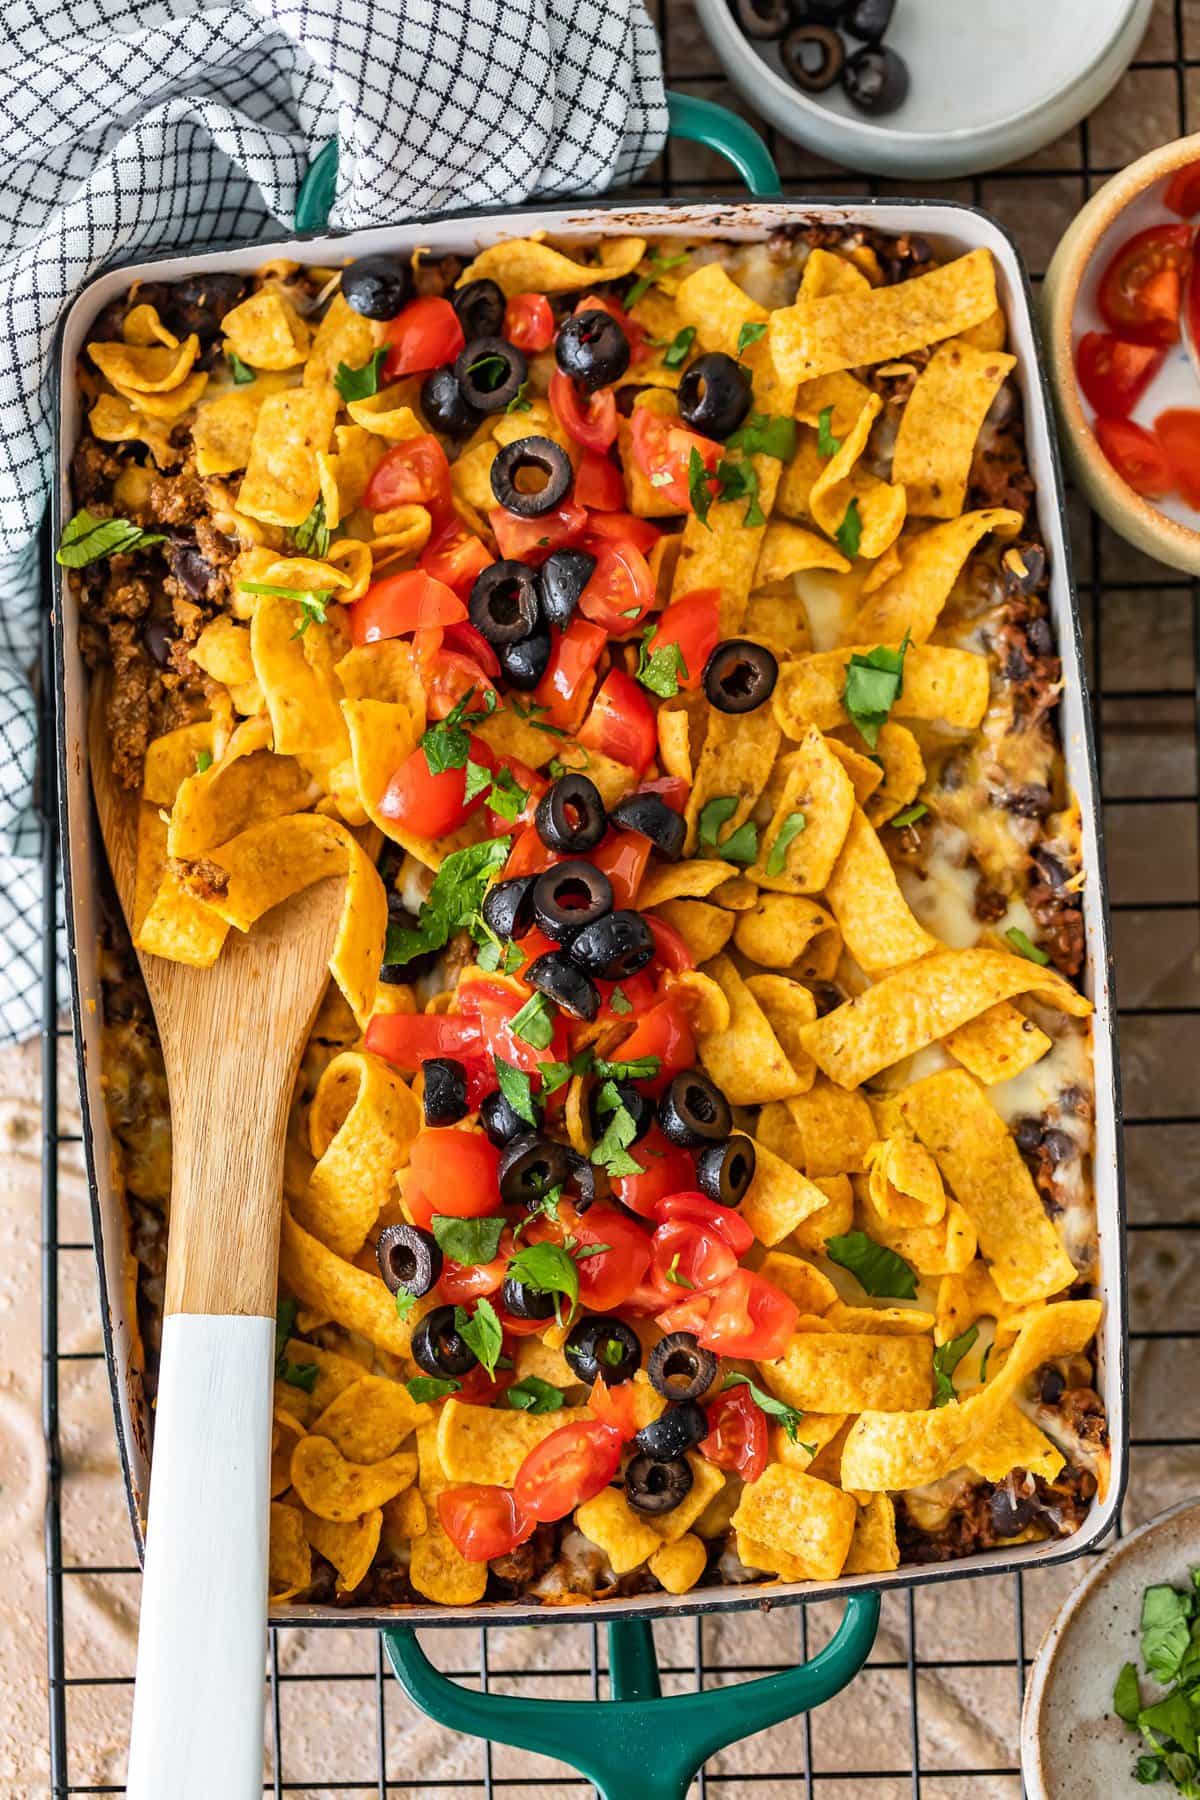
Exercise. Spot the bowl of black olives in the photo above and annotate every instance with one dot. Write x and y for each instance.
(922, 89)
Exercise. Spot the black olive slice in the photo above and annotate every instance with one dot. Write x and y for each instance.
(762, 19)
(813, 56)
(715, 395)
(654, 1487)
(490, 373)
(674, 1432)
(679, 1369)
(568, 897)
(504, 602)
(530, 1166)
(724, 1171)
(410, 1260)
(869, 19)
(650, 815)
(614, 947)
(604, 1349)
(524, 664)
(592, 349)
(694, 1111)
(480, 308)
(556, 976)
(444, 1095)
(524, 1302)
(437, 1347)
(740, 676)
(378, 286)
(443, 404)
(531, 476)
(876, 79)
(570, 815)
(499, 1120)
(508, 907)
(564, 575)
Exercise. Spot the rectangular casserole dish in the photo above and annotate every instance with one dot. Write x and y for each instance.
(953, 230)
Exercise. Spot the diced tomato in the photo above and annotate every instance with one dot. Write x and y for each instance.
(495, 1021)
(1113, 374)
(671, 788)
(567, 684)
(690, 1255)
(621, 722)
(460, 1282)
(413, 473)
(529, 322)
(1182, 194)
(1192, 313)
(465, 640)
(409, 1039)
(420, 1206)
(483, 1522)
(478, 1388)
(666, 1033)
(667, 1170)
(638, 992)
(620, 589)
(455, 555)
(431, 805)
(450, 677)
(535, 943)
(565, 1469)
(1142, 287)
(1137, 457)
(423, 335)
(689, 1314)
(1178, 432)
(634, 330)
(727, 1223)
(693, 624)
(605, 1280)
(750, 1317)
(411, 601)
(662, 450)
(737, 1434)
(614, 1406)
(623, 856)
(669, 948)
(532, 540)
(528, 855)
(591, 419)
(599, 484)
(623, 528)
(460, 1167)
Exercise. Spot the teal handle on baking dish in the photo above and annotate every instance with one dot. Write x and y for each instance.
(638, 1745)
(699, 121)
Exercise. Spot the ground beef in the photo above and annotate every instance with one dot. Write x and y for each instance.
(94, 468)
(1058, 910)
(1083, 1413)
(176, 499)
(989, 903)
(999, 476)
(202, 877)
(991, 1511)
(130, 703)
(523, 1565)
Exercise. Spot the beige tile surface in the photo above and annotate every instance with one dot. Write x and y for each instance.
(966, 1634)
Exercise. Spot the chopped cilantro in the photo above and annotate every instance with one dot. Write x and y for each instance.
(424, 1388)
(739, 481)
(1025, 946)
(87, 539)
(533, 1395)
(661, 670)
(514, 1085)
(447, 744)
(874, 683)
(675, 355)
(792, 826)
(300, 1375)
(507, 798)
(471, 1242)
(672, 1274)
(481, 1332)
(547, 1269)
(946, 1359)
(534, 1023)
(478, 780)
(699, 492)
(404, 1302)
(849, 532)
(520, 401)
(659, 264)
(203, 761)
(360, 384)
(490, 372)
(311, 601)
(750, 333)
(612, 1151)
(312, 534)
(741, 846)
(620, 1001)
(827, 444)
(788, 1417)
(453, 900)
(909, 814)
(642, 1068)
(877, 1270)
(765, 435)
(241, 372)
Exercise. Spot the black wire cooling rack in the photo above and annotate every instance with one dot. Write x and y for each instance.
(934, 1716)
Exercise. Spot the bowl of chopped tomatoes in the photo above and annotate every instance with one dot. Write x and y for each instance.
(1122, 314)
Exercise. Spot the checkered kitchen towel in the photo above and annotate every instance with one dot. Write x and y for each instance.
(137, 125)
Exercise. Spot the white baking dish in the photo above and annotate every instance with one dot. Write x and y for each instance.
(952, 229)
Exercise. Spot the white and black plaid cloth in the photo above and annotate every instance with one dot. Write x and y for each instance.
(137, 125)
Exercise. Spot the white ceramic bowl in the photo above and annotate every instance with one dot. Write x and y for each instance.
(992, 81)
(1073, 1747)
(1164, 529)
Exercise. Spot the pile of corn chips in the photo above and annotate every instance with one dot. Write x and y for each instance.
(864, 1051)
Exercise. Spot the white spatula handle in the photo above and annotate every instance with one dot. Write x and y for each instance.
(198, 1700)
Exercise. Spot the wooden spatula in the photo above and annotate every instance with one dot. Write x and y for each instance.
(231, 1040)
